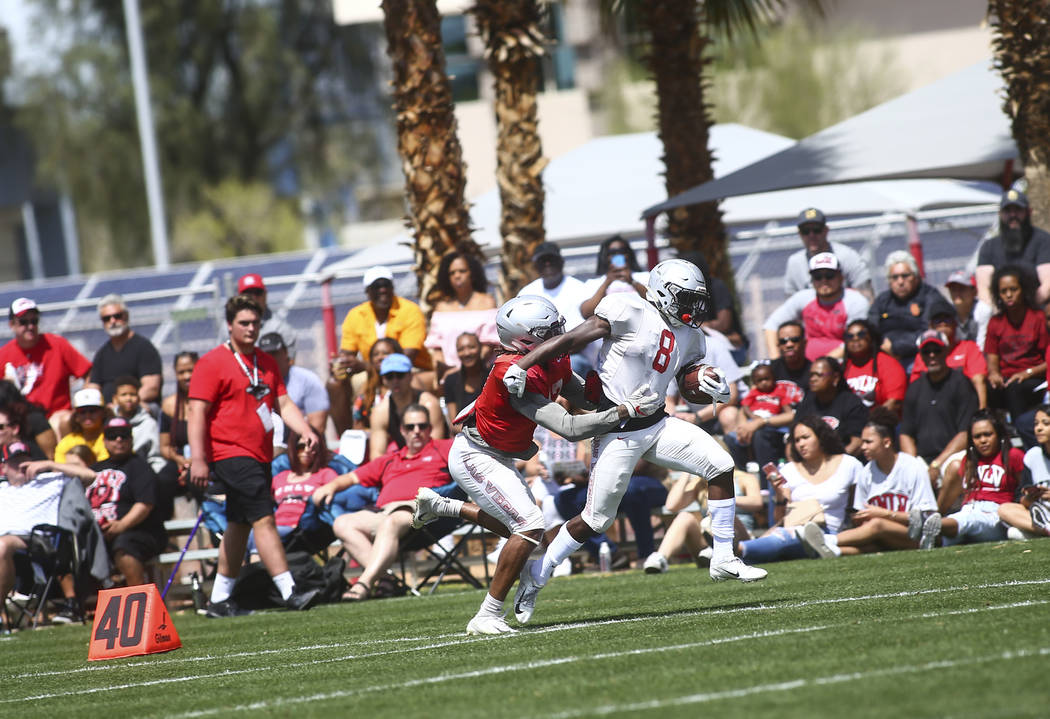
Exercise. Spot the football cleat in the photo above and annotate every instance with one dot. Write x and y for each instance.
(227, 608)
(489, 625)
(423, 512)
(525, 598)
(812, 537)
(931, 529)
(735, 568)
(655, 563)
(1040, 514)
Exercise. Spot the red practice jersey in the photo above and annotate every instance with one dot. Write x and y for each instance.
(498, 423)
(994, 482)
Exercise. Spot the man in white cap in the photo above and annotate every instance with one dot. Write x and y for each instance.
(971, 315)
(41, 364)
(824, 310)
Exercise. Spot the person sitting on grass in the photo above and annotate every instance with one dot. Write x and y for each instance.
(891, 500)
(372, 536)
(1031, 514)
(989, 476)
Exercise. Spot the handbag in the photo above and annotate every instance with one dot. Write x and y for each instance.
(803, 512)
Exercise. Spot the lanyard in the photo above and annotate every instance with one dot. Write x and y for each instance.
(253, 379)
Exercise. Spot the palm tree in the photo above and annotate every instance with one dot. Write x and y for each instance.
(680, 33)
(513, 44)
(1022, 54)
(431, 155)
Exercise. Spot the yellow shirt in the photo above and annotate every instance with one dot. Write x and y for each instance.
(73, 439)
(405, 324)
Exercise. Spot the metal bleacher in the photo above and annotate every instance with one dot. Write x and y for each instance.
(181, 308)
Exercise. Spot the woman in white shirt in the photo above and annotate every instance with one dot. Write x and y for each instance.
(819, 470)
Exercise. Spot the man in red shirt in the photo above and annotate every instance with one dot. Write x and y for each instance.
(373, 537)
(41, 364)
(963, 355)
(234, 391)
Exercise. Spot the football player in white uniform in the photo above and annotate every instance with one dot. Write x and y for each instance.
(646, 342)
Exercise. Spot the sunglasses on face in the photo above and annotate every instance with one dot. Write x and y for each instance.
(114, 436)
(87, 410)
(5, 425)
(811, 230)
(413, 426)
(114, 316)
(789, 340)
(301, 446)
(395, 375)
(28, 321)
(856, 335)
(823, 275)
(931, 349)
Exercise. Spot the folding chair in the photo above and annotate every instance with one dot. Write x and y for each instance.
(51, 552)
(445, 560)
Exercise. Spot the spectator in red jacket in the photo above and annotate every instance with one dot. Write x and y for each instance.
(41, 364)
(874, 376)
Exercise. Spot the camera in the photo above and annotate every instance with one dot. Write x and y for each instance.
(258, 391)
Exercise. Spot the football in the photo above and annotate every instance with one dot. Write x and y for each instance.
(689, 387)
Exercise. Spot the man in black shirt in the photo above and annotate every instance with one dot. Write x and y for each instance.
(937, 407)
(123, 496)
(1018, 243)
(126, 353)
(791, 366)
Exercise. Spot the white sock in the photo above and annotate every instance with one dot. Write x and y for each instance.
(491, 607)
(285, 584)
(448, 507)
(723, 513)
(558, 551)
(832, 541)
(222, 589)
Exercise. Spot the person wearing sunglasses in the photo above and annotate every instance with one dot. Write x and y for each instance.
(125, 353)
(41, 364)
(89, 414)
(395, 373)
(824, 310)
(813, 231)
(874, 376)
(123, 499)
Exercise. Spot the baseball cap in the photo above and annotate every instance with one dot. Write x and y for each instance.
(88, 397)
(116, 427)
(811, 216)
(379, 272)
(961, 277)
(272, 342)
(20, 306)
(395, 363)
(546, 249)
(14, 449)
(931, 337)
(823, 261)
(1014, 198)
(250, 281)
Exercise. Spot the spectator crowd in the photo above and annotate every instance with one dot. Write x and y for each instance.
(901, 419)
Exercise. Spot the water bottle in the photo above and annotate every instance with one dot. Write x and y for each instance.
(198, 592)
(604, 558)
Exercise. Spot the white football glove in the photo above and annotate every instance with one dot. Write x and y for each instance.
(514, 380)
(717, 390)
(643, 402)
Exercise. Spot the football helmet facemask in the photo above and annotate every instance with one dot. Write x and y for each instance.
(679, 291)
(524, 322)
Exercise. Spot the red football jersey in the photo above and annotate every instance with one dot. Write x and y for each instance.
(498, 423)
(994, 482)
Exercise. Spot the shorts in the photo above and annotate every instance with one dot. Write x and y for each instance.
(978, 522)
(495, 485)
(140, 544)
(246, 483)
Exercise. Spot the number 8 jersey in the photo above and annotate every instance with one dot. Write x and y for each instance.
(642, 347)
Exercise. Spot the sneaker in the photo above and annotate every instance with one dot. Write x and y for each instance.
(1040, 514)
(525, 598)
(68, 614)
(423, 513)
(703, 558)
(655, 563)
(301, 601)
(489, 625)
(931, 529)
(227, 608)
(735, 568)
(1019, 535)
(914, 524)
(812, 537)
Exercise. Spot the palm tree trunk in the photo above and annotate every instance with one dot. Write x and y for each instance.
(1022, 54)
(431, 156)
(676, 61)
(513, 44)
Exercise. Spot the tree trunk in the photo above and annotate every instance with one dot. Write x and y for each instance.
(513, 44)
(1022, 54)
(431, 156)
(676, 61)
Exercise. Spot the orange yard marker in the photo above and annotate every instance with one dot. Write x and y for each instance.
(130, 622)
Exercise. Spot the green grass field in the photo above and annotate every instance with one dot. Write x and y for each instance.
(949, 633)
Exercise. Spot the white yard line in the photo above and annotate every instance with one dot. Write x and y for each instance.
(284, 666)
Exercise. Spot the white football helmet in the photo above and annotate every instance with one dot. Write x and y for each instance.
(678, 289)
(524, 322)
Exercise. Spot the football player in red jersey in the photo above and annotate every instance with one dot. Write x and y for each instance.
(498, 430)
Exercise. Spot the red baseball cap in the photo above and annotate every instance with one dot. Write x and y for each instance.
(15, 449)
(250, 281)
